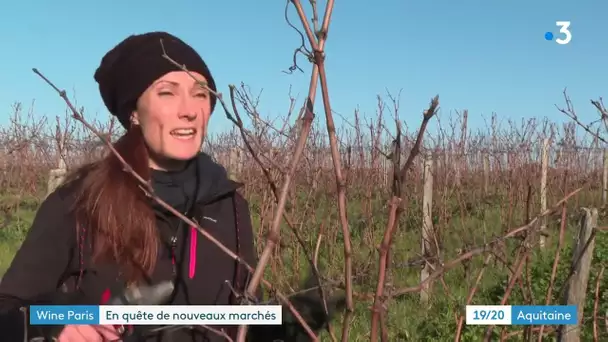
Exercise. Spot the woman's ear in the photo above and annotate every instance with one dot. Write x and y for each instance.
(134, 118)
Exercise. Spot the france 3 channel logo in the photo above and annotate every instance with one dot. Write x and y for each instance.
(565, 35)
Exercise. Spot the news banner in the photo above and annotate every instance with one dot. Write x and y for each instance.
(268, 314)
(156, 314)
(521, 314)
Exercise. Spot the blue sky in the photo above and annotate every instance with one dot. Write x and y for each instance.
(485, 56)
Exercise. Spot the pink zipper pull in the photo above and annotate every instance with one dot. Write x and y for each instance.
(193, 240)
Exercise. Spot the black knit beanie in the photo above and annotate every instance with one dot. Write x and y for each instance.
(134, 64)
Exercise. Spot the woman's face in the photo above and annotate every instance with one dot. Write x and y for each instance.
(173, 114)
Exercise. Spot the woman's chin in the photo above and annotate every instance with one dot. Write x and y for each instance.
(184, 150)
(183, 155)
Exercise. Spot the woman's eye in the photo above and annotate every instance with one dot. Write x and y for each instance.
(202, 95)
(165, 93)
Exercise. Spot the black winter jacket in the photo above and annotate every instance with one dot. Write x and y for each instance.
(56, 252)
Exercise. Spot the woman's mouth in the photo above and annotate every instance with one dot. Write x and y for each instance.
(183, 133)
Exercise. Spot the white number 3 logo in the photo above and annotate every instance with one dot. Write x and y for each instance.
(563, 28)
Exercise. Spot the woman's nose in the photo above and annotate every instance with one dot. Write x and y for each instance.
(187, 115)
(187, 109)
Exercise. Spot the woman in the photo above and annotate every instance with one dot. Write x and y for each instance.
(101, 233)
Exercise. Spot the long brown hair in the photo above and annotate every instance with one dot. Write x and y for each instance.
(114, 210)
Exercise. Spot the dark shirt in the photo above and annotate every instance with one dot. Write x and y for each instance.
(51, 255)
